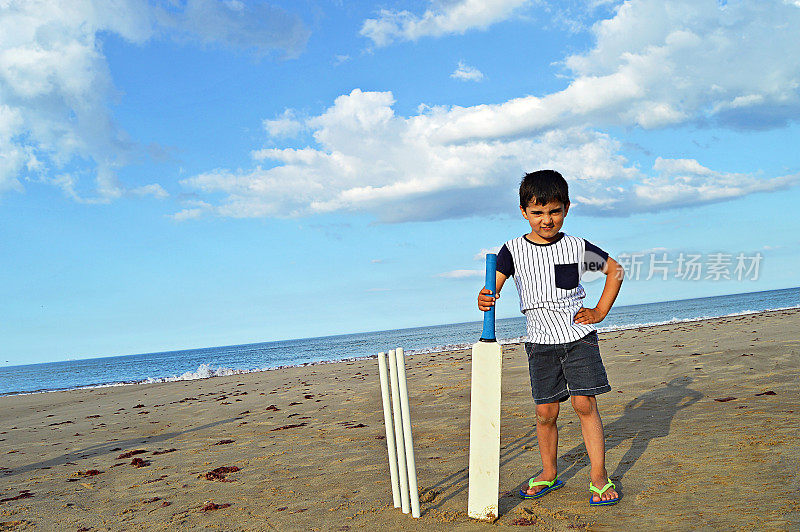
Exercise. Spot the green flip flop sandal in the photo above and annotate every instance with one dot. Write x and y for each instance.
(549, 485)
(600, 492)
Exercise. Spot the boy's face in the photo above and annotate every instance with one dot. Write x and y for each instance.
(545, 220)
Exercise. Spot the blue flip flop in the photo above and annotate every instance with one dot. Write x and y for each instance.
(600, 494)
(549, 485)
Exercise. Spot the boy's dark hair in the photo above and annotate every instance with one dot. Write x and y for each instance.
(542, 187)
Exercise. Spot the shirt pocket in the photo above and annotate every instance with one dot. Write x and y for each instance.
(566, 276)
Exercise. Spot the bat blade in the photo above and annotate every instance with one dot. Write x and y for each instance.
(484, 431)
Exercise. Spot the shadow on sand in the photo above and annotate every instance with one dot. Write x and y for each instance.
(647, 417)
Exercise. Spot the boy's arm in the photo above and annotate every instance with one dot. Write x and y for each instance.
(486, 301)
(614, 274)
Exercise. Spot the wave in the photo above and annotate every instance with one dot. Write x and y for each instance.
(204, 371)
(629, 326)
(207, 371)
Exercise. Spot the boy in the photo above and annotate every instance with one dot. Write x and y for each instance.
(561, 343)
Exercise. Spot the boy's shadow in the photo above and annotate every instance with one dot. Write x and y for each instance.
(647, 417)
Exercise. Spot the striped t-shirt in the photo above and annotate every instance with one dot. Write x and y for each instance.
(547, 277)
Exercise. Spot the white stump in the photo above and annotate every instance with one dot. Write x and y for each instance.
(387, 420)
(409, 441)
(398, 430)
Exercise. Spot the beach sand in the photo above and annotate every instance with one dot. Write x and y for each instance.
(701, 433)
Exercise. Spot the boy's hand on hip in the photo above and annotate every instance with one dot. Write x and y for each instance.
(589, 315)
(485, 300)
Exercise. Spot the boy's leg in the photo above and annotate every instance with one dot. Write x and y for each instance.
(547, 435)
(592, 429)
(549, 387)
(587, 378)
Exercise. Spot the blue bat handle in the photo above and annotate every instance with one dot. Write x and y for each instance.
(491, 284)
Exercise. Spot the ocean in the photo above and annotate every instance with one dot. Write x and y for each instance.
(229, 360)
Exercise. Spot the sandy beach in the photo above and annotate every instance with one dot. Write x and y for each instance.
(702, 430)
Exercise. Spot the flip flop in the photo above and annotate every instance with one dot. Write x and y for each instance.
(600, 494)
(549, 485)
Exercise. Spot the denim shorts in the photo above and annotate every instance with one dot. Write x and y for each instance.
(560, 370)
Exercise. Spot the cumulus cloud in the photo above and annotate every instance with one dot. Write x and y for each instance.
(341, 59)
(285, 125)
(576, 16)
(699, 61)
(369, 159)
(192, 209)
(56, 87)
(679, 183)
(155, 190)
(441, 18)
(481, 255)
(256, 26)
(658, 64)
(465, 72)
(14, 157)
(461, 274)
(653, 65)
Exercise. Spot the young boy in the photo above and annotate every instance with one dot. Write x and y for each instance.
(561, 343)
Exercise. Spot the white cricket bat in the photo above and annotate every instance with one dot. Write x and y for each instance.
(484, 417)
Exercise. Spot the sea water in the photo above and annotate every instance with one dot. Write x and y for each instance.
(229, 360)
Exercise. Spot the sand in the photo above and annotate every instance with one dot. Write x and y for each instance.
(701, 431)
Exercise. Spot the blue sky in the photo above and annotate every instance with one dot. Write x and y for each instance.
(194, 173)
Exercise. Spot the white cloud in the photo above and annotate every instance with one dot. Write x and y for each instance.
(194, 209)
(255, 26)
(461, 274)
(442, 18)
(684, 181)
(369, 159)
(286, 125)
(655, 250)
(657, 64)
(594, 4)
(466, 73)
(576, 16)
(57, 89)
(13, 157)
(155, 190)
(693, 58)
(654, 65)
(187, 214)
(481, 255)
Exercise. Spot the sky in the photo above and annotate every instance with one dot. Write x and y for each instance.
(194, 173)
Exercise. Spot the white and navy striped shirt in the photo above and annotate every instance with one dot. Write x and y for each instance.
(547, 277)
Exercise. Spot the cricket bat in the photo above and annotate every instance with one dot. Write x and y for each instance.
(484, 417)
